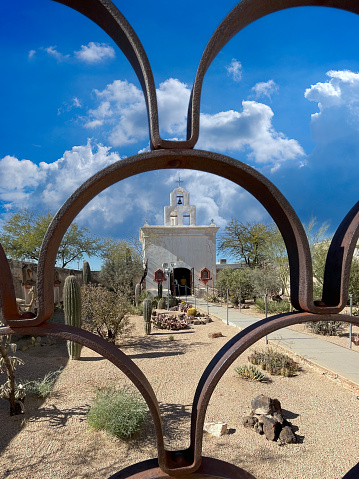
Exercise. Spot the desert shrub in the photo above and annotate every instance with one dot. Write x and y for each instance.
(183, 306)
(274, 307)
(121, 413)
(252, 373)
(276, 363)
(326, 328)
(43, 387)
(105, 312)
(167, 321)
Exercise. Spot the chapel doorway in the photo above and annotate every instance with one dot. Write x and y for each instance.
(182, 281)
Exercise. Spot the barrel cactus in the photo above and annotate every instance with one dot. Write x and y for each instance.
(137, 294)
(191, 311)
(147, 311)
(162, 303)
(72, 311)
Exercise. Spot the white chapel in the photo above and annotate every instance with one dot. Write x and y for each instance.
(182, 246)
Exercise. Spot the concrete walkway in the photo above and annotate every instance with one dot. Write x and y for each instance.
(338, 361)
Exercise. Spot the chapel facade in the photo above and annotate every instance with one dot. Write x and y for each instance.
(182, 246)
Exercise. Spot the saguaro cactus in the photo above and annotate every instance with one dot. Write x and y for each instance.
(159, 289)
(137, 294)
(147, 311)
(86, 273)
(72, 310)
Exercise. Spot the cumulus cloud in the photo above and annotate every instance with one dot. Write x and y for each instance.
(95, 52)
(122, 114)
(338, 103)
(265, 89)
(250, 129)
(235, 70)
(49, 184)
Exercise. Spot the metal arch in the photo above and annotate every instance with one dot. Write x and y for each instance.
(241, 174)
(243, 14)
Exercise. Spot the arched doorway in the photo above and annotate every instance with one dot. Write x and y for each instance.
(182, 281)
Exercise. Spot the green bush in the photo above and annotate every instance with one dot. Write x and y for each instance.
(274, 307)
(43, 387)
(274, 362)
(252, 373)
(121, 413)
(326, 328)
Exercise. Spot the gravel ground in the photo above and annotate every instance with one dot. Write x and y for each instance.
(53, 440)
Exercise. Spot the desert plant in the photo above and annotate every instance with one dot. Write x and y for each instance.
(72, 312)
(162, 303)
(273, 307)
(159, 289)
(191, 311)
(326, 328)
(137, 294)
(171, 338)
(167, 321)
(276, 363)
(147, 311)
(252, 373)
(43, 387)
(121, 413)
(86, 273)
(10, 391)
(105, 312)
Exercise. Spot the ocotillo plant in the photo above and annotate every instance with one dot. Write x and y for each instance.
(147, 311)
(72, 310)
(86, 273)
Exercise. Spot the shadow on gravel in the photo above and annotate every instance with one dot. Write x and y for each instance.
(39, 360)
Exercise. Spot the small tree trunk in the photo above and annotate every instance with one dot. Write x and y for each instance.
(10, 374)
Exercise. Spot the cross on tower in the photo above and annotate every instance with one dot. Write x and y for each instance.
(179, 181)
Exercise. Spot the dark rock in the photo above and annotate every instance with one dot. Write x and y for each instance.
(277, 407)
(287, 436)
(278, 417)
(215, 335)
(249, 421)
(258, 427)
(271, 428)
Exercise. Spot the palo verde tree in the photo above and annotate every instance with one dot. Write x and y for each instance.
(245, 242)
(23, 233)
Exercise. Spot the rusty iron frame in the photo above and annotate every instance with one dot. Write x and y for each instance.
(180, 154)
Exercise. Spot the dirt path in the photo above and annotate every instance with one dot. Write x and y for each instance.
(53, 440)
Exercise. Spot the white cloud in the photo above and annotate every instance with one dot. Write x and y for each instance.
(265, 89)
(338, 103)
(122, 113)
(235, 70)
(251, 129)
(95, 52)
(31, 54)
(51, 51)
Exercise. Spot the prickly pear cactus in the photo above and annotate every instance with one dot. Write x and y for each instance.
(72, 310)
(147, 311)
(137, 294)
(86, 273)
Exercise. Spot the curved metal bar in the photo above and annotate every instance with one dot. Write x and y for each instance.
(244, 13)
(108, 351)
(7, 291)
(107, 16)
(339, 259)
(240, 173)
(229, 353)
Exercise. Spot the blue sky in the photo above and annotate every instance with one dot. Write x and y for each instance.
(282, 96)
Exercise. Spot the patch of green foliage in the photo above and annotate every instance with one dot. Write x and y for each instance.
(119, 412)
(326, 328)
(273, 307)
(276, 363)
(43, 387)
(252, 373)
